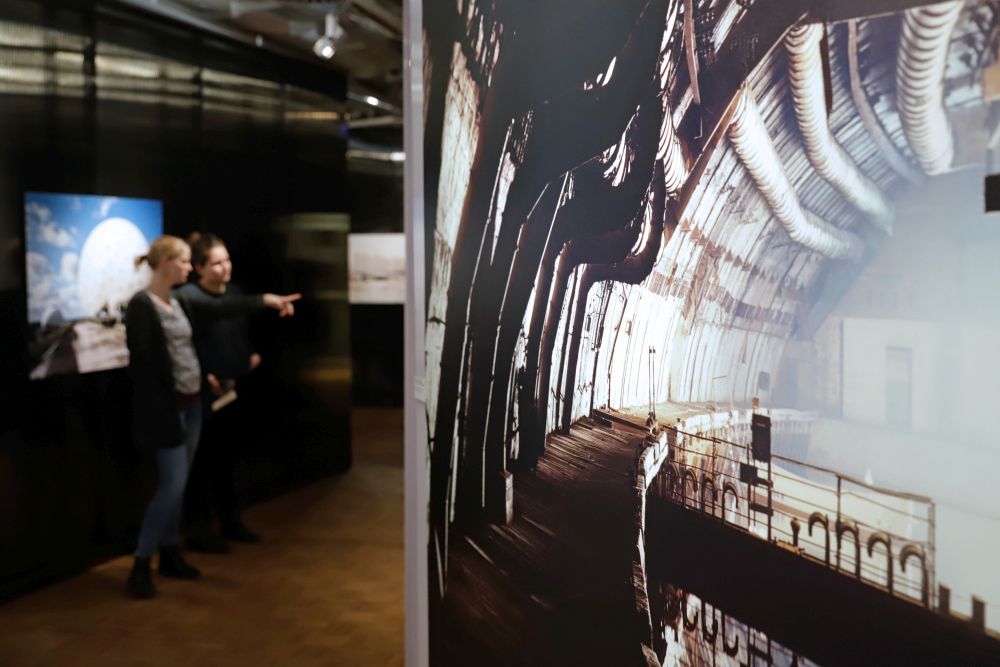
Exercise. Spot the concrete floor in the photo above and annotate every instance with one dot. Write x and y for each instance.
(325, 587)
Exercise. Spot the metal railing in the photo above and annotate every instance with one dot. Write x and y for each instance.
(881, 537)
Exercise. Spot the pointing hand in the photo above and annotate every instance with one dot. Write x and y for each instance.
(282, 304)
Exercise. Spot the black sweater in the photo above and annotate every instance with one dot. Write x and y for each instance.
(223, 343)
(156, 420)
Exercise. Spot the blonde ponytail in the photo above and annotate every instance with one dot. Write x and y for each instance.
(165, 247)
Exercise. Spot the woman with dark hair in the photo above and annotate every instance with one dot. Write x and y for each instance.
(226, 355)
(167, 409)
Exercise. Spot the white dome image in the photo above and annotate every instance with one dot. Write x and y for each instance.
(107, 273)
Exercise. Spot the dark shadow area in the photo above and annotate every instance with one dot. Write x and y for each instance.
(808, 607)
(376, 203)
(377, 349)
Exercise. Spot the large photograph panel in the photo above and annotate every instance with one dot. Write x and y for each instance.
(707, 316)
(81, 272)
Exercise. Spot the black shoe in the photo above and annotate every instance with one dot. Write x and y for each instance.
(140, 581)
(236, 531)
(172, 564)
(199, 537)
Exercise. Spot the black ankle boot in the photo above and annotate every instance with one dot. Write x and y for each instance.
(140, 581)
(199, 537)
(233, 529)
(172, 564)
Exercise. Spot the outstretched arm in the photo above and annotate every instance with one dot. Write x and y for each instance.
(238, 305)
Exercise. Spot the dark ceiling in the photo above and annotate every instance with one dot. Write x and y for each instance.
(368, 47)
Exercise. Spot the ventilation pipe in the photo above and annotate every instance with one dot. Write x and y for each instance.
(581, 250)
(875, 130)
(562, 255)
(593, 218)
(828, 158)
(632, 271)
(670, 153)
(920, 68)
(754, 147)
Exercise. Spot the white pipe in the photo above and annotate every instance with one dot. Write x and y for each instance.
(753, 145)
(828, 158)
(670, 152)
(920, 68)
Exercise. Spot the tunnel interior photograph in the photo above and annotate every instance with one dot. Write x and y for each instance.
(712, 304)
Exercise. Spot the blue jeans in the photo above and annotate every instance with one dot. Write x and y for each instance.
(162, 523)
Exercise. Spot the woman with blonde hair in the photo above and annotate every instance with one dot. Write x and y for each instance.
(167, 410)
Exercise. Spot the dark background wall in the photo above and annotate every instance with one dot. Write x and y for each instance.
(377, 348)
(377, 343)
(72, 487)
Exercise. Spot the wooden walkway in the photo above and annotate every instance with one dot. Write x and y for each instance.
(324, 587)
(555, 587)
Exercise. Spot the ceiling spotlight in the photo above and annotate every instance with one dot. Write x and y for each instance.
(324, 48)
(372, 101)
(326, 45)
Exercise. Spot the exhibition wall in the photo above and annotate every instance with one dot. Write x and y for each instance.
(100, 102)
(642, 230)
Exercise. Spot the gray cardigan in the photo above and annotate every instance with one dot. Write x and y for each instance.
(156, 420)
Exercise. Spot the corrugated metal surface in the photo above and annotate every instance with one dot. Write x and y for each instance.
(728, 286)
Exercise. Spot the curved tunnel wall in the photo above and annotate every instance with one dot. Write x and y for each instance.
(728, 286)
(545, 183)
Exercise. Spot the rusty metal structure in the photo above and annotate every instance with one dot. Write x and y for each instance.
(647, 218)
(769, 501)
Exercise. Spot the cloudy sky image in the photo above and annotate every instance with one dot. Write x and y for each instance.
(57, 227)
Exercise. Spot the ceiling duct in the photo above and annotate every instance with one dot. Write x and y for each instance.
(671, 154)
(920, 69)
(756, 150)
(828, 158)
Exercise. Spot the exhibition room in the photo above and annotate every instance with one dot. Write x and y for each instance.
(124, 122)
(449, 333)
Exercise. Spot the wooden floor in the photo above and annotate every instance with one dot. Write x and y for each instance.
(554, 588)
(325, 587)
